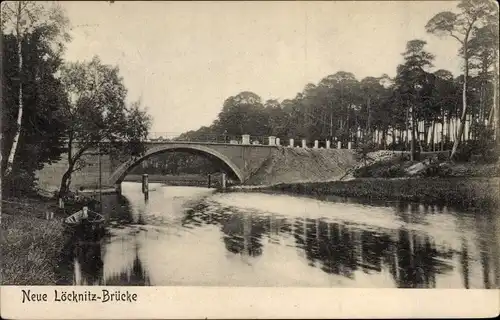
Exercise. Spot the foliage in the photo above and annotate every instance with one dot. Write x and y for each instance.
(97, 115)
(22, 19)
(478, 193)
(382, 169)
(365, 147)
(20, 182)
(40, 141)
(484, 148)
(178, 163)
(473, 15)
(436, 169)
(85, 107)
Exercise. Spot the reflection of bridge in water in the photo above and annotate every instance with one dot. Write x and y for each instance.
(411, 258)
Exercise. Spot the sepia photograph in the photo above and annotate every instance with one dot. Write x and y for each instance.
(248, 144)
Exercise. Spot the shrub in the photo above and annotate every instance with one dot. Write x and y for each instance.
(363, 149)
(483, 148)
(19, 183)
(382, 169)
(436, 169)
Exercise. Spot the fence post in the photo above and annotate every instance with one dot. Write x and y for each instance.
(145, 183)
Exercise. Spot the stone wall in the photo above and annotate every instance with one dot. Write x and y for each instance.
(49, 178)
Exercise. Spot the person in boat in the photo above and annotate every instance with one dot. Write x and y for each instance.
(85, 211)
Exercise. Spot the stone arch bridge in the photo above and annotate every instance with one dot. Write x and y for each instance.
(240, 160)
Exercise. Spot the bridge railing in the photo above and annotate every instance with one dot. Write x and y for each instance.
(215, 138)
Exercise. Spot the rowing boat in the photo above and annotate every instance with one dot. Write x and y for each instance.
(84, 216)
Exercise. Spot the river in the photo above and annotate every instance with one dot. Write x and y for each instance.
(197, 236)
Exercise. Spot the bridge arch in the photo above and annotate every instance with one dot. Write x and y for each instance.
(121, 171)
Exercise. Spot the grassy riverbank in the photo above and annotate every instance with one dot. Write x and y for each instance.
(30, 243)
(458, 191)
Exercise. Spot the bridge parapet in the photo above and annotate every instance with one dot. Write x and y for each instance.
(245, 139)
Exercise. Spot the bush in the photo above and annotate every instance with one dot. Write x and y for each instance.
(484, 151)
(19, 183)
(365, 146)
(435, 169)
(483, 148)
(382, 169)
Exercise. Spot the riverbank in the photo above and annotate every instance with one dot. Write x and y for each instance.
(30, 242)
(177, 180)
(477, 193)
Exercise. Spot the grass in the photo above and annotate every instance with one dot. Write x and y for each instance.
(477, 193)
(30, 243)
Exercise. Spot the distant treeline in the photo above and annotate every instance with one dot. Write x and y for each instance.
(418, 104)
(177, 163)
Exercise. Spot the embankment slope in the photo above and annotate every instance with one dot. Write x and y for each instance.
(296, 165)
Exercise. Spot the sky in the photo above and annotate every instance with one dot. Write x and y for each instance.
(183, 59)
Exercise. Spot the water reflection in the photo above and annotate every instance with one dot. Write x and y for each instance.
(185, 236)
(80, 263)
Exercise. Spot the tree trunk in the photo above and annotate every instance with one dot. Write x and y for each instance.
(464, 98)
(369, 118)
(442, 131)
(431, 142)
(448, 128)
(406, 128)
(331, 124)
(481, 103)
(384, 138)
(393, 138)
(65, 183)
(412, 135)
(13, 148)
(496, 104)
(418, 133)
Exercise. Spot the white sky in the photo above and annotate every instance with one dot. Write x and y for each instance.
(183, 59)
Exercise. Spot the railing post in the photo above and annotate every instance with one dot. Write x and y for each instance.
(292, 143)
(349, 145)
(328, 144)
(245, 139)
(278, 141)
(339, 144)
(316, 144)
(304, 144)
(272, 140)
